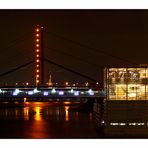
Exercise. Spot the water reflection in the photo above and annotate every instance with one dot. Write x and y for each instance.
(66, 113)
(90, 116)
(43, 120)
(25, 113)
(37, 116)
(77, 114)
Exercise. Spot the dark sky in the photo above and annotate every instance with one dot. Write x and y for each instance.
(119, 33)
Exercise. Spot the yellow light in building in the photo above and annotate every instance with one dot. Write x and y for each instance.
(37, 45)
(37, 55)
(37, 70)
(37, 76)
(37, 65)
(37, 50)
(37, 60)
(37, 81)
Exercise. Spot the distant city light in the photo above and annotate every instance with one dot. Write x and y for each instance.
(66, 83)
(86, 84)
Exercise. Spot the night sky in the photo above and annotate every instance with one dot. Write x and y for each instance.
(107, 35)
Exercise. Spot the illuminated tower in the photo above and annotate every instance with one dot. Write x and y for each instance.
(50, 81)
(39, 56)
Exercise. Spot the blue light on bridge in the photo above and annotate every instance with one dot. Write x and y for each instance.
(45, 93)
(16, 92)
(61, 93)
(76, 93)
(30, 93)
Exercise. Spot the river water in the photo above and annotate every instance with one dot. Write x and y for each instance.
(45, 120)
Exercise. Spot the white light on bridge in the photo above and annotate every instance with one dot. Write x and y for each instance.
(35, 90)
(53, 91)
(71, 91)
(90, 92)
(1, 91)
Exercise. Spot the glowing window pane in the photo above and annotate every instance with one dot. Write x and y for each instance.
(37, 60)
(37, 75)
(37, 55)
(37, 70)
(37, 35)
(37, 50)
(37, 45)
(37, 65)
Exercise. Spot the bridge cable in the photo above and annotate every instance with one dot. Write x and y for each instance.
(15, 69)
(91, 48)
(77, 58)
(70, 70)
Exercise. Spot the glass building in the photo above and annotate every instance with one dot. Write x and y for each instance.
(126, 83)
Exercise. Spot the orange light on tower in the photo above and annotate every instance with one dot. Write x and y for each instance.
(37, 39)
(39, 50)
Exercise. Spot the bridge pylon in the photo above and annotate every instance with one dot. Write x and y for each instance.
(39, 47)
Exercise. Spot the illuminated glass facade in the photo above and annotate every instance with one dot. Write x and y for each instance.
(126, 83)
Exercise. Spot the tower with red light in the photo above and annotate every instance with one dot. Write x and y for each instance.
(39, 56)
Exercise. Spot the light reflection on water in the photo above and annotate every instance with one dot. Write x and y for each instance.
(66, 113)
(44, 120)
